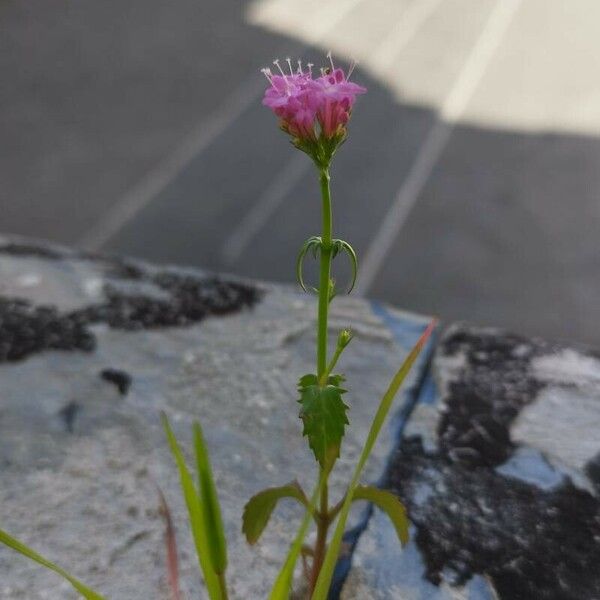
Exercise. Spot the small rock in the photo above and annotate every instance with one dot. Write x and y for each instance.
(120, 378)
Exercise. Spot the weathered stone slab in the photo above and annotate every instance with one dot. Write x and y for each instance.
(81, 453)
(499, 465)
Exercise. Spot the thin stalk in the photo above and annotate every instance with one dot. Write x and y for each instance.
(331, 365)
(223, 586)
(325, 274)
(335, 510)
(321, 541)
(324, 290)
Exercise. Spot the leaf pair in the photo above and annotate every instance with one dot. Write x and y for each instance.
(204, 512)
(323, 413)
(314, 244)
(384, 500)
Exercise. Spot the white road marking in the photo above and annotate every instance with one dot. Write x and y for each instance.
(393, 43)
(268, 202)
(412, 20)
(165, 172)
(142, 194)
(456, 102)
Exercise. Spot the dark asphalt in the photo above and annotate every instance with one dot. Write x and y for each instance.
(156, 107)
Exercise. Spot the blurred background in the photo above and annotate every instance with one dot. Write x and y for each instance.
(470, 185)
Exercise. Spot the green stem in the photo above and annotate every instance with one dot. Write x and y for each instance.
(223, 586)
(335, 510)
(321, 541)
(324, 290)
(325, 274)
(331, 365)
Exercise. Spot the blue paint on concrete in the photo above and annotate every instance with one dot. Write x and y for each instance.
(530, 465)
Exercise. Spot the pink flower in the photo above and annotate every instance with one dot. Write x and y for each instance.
(336, 98)
(292, 99)
(311, 108)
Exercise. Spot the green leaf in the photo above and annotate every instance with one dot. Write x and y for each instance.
(13, 543)
(312, 244)
(283, 584)
(258, 509)
(323, 413)
(387, 502)
(209, 503)
(324, 581)
(338, 246)
(353, 262)
(192, 501)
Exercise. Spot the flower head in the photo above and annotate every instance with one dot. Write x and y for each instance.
(336, 98)
(314, 111)
(290, 97)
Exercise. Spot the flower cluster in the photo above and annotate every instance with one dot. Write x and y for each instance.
(311, 109)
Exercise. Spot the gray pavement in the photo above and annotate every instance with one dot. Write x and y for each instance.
(470, 184)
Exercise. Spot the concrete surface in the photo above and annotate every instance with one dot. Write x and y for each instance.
(469, 185)
(80, 461)
(492, 445)
(498, 466)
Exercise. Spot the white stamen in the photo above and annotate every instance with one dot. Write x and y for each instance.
(351, 69)
(276, 63)
(329, 56)
(299, 67)
(289, 62)
(267, 73)
(310, 66)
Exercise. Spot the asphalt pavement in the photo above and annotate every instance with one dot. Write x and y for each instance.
(469, 186)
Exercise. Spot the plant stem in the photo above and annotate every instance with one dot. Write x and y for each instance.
(331, 366)
(223, 586)
(324, 291)
(325, 274)
(321, 541)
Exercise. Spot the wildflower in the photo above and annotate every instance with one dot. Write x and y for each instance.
(336, 98)
(314, 111)
(292, 98)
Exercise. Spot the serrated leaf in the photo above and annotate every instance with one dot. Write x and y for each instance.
(312, 379)
(258, 509)
(215, 533)
(307, 380)
(21, 548)
(323, 413)
(336, 380)
(388, 503)
(324, 580)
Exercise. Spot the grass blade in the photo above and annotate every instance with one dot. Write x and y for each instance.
(210, 504)
(192, 500)
(324, 581)
(13, 543)
(283, 584)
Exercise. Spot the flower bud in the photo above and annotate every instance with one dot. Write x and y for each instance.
(344, 338)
